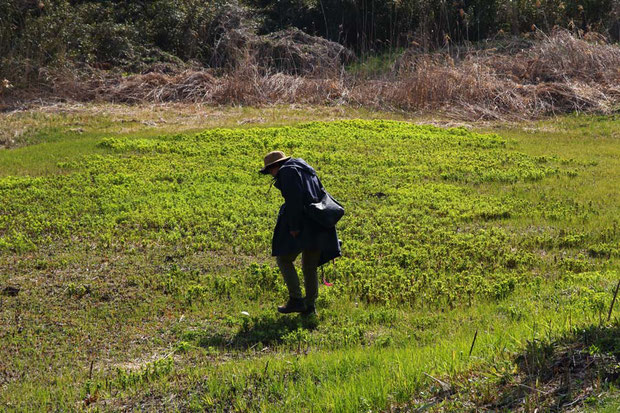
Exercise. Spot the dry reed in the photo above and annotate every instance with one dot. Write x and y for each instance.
(560, 73)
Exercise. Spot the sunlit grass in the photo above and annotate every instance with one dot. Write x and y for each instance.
(138, 254)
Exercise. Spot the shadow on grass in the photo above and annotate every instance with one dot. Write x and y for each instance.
(556, 375)
(260, 331)
(565, 372)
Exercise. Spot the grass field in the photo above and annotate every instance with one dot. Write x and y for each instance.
(141, 253)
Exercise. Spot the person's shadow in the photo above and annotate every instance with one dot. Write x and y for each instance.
(267, 330)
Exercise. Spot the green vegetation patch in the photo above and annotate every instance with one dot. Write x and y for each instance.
(418, 228)
(144, 266)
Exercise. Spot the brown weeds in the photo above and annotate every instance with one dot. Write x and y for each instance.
(557, 74)
(549, 376)
(562, 73)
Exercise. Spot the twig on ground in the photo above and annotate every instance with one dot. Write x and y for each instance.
(473, 342)
(533, 389)
(445, 386)
(613, 301)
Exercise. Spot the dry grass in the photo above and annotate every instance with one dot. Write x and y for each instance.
(561, 73)
(50, 120)
(566, 374)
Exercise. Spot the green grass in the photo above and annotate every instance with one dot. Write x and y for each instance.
(73, 131)
(138, 254)
(605, 404)
(374, 65)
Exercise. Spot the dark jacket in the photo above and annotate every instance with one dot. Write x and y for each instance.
(300, 186)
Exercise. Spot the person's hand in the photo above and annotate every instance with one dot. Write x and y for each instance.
(294, 233)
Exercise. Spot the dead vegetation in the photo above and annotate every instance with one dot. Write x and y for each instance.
(561, 73)
(560, 375)
(564, 374)
(557, 74)
(295, 52)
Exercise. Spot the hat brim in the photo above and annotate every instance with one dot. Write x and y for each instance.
(266, 167)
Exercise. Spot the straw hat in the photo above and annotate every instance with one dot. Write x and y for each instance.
(273, 158)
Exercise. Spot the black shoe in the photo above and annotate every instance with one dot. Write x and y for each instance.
(310, 310)
(294, 305)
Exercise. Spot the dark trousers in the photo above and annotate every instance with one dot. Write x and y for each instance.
(309, 264)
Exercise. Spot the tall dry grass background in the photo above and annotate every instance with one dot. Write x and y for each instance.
(562, 72)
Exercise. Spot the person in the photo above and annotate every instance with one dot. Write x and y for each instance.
(295, 233)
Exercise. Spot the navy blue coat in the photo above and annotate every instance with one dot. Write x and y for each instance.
(299, 185)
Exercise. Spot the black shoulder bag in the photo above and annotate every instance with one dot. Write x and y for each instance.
(327, 211)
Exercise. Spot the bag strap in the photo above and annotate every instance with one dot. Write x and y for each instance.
(323, 190)
(273, 181)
